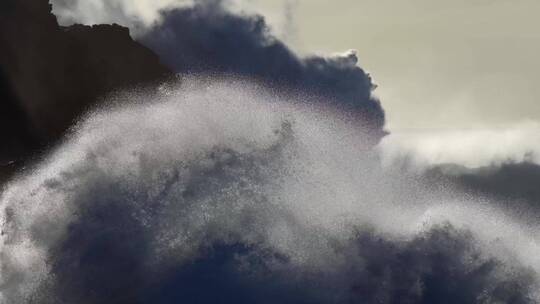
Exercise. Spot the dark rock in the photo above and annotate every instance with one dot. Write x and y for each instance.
(49, 75)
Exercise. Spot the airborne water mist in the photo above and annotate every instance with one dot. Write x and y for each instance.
(220, 191)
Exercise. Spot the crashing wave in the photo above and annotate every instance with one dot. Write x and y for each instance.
(216, 191)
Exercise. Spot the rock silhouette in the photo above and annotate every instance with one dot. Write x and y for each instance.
(49, 74)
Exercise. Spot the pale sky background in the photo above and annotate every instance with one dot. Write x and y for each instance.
(439, 64)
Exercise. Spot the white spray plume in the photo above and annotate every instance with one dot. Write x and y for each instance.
(227, 161)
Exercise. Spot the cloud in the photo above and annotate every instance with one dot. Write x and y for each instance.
(136, 14)
(472, 148)
(207, 38)
(139, 15)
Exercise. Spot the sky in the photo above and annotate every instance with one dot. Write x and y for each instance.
(439, 64)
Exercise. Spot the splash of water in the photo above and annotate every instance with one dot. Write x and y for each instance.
(219, 190)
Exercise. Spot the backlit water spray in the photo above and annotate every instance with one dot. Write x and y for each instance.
(214, 190)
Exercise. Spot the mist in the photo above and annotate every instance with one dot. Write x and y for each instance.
(472, 148)
(268, 192)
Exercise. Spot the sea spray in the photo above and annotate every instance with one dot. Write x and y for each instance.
(224, 191)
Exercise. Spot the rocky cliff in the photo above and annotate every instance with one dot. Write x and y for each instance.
(49, 74)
